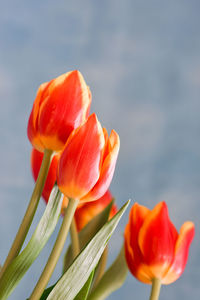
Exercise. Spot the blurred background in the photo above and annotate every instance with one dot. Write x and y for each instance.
(141, 60)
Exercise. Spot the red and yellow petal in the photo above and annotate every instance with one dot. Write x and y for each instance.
(78, 168)
(33, 134)
(157, 239)
(135, 265)
(113, 211)
(133, 254)
(87, 211)
(107, 169)
(32, 129)
(66, 109)
(137, 217)
(40, 98)
(181, 253)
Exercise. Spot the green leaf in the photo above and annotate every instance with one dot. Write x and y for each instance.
(46, 292)
(75, 277)
(24, 260)
(112, 280)
(83, 294)
(87, 233)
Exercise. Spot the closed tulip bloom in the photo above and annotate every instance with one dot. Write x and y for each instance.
(36, 161)
(87, 163)
(153, 247)
(87, 211)
(61, 105)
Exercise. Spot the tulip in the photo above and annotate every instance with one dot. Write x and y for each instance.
(87, 211)
(61, 105)
(87, 162)
(153, 247)
(36, 161)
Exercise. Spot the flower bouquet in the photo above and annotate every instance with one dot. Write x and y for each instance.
(73, 161)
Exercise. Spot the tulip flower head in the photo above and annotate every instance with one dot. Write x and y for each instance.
(87, 211)
(153, 247)
(61, 105)
(87, 162)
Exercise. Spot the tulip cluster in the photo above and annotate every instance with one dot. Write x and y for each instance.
(83, 166)
(73, 161)
(58, 121)
(84, 155)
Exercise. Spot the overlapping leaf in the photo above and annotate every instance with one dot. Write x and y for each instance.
(87, 233)
(24, 260)
(78, 273)
(112, 279)
(83, 294)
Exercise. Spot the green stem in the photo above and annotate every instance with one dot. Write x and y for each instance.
(101, 267)
(56, 251)
(74, 239)
(30, 212)
(155, 290)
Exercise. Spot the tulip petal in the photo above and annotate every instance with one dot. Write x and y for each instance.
(133, 254)
(33, 134)
(78, 168)
(107, 169)
(89, 210)
(40, 98)
(32, 130)
(157, 239)
(66, 106)
(181, 253)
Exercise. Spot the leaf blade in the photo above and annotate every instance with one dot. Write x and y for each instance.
(112, 280)
(75, 277)
(83, 293)
(86, 234)
(19, 266)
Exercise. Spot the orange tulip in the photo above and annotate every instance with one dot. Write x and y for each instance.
(87, 211)
(36, 161)
(87, 163)
(61, 105)
(153, 247)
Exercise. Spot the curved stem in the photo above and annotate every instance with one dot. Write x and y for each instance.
(74, 239)
(56, 251)
(101, 267)
(155, 290)
(30, 212)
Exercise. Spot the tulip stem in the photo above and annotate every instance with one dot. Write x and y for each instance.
(155, 289)
(30, 212)
(101, 267)
(74, 239)
(56, 251)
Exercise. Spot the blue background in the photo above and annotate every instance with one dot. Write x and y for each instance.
(141, 60)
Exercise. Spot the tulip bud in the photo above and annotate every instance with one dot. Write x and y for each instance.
(61, 105)
(153, 247)
(87, 162)
(87, 211)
